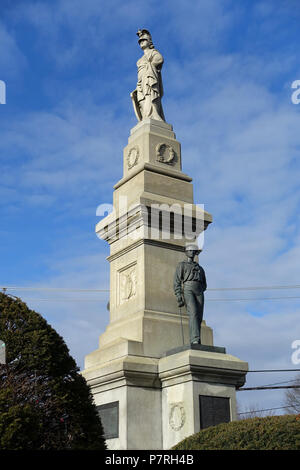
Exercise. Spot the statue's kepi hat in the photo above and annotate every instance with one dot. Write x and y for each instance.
(192, 247)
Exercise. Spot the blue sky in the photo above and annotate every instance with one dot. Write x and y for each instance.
(69, 67)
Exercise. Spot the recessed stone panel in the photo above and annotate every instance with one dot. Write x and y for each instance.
(127, 284)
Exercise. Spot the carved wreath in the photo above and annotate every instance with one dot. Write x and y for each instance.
(132, 157)
(165, 153)
(177, 416)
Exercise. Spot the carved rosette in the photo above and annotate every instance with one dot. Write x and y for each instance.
(133, 157)
(177, 416)
(165, 153)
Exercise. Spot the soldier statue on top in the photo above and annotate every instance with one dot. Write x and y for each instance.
(146, 98)
(189, 286)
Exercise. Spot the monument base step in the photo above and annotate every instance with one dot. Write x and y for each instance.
(198, 347)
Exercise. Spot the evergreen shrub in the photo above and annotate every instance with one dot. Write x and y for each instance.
(45, 403)
(268, 433)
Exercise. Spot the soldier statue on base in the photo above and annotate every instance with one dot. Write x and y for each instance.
(189, 285)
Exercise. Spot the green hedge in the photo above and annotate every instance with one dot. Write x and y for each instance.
(270, 433)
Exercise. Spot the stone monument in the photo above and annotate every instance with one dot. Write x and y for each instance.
(152, 390)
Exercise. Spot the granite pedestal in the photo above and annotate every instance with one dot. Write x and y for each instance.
(151, 389)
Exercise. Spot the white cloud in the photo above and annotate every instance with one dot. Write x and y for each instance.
(264, 342)
(64, 155)
(66, 31)
(12, 60)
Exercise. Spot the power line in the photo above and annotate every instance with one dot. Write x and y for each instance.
(274, 386)
(64, 300)
(274, 370)
(268, 388)
(254, 299)
(266, 409)
(64, 289)
(107, 290)
(59, 289)
(100, 300)
(255, 288)
(279, 383)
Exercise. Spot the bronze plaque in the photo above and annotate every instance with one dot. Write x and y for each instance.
(109, 415)
(213, 410)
